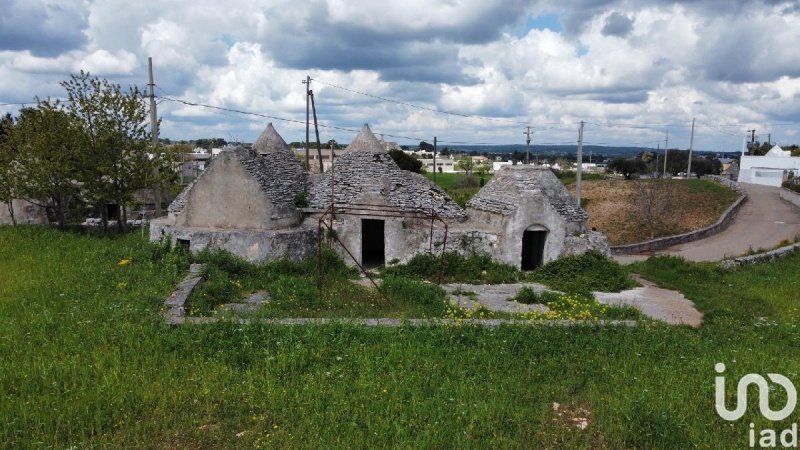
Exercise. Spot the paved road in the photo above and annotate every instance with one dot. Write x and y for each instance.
(763, 222)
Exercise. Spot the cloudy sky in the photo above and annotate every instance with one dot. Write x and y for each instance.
(631, 69)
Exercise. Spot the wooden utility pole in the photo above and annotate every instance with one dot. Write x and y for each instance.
(316, 130)
(691, 144)
(580, 166)
(434, 159)
(666, 149)
(528, 145)
(307, 82)
(154, 137)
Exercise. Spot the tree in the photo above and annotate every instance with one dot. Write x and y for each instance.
(654, 205)
(47, 142)
(9, 164)
(445, 152)
(627, 167)
(426, 147)
(117, 145)
(466, 164)
(406, 161)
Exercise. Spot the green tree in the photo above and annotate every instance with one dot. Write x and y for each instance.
(47, 144)
(627, 167)
(9, 177)
(466, 164)
(425, 147)
(120, 157)
(406, 161)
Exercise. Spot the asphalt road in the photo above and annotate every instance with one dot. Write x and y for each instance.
(762, 223)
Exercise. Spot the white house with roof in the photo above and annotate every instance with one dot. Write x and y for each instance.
(771, 169)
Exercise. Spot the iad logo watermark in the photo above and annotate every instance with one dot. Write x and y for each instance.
(767, 438)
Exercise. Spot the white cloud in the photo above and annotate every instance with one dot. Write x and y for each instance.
(632, 63)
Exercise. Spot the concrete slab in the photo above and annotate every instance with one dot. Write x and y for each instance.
(669, 306)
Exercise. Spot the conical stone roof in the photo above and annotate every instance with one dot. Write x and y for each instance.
(365, 168)
(270, 142)
(365, 141)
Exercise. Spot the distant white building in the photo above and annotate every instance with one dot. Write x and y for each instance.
(447, 165)
(771, 169)
(496, 165)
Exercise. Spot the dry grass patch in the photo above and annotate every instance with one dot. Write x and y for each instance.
(614, 207)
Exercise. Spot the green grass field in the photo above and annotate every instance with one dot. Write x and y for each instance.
(460, 187)
(85, 362)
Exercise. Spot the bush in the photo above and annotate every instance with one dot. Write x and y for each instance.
(477, 268)
(792, 185)
(592, 271)
(225, 261)
(527, 296)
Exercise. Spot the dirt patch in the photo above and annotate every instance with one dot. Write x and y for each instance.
(613, 208)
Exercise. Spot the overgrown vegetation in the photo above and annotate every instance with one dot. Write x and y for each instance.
(633, 211)
(527, 296)
(455, 268)
(85, 362)
(591, 271)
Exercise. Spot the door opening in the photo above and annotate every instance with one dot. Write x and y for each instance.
(533, 248)
(373, 244)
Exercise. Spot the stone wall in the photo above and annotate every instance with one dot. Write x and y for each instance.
(252, 245)
(761, 257)
(668, 241)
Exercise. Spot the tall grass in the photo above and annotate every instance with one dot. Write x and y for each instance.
(87, 364)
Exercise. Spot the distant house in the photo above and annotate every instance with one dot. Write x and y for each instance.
(771, 169)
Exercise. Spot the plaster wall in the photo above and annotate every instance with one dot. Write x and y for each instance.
(25, 213)
(252, 245)
(229, 198)
(534, 211)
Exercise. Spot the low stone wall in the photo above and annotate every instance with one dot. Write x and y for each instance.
(669, 241)
(790, 196)
(252, 245)
(761, 257)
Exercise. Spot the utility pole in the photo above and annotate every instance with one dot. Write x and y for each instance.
(434, 159)
(691, 144)
(658, 155)
(316, 130)
(580, 165)
(528, 146)
(752, 141)
(769, 140)
(666, 150)
(154, 132)
(307, 82)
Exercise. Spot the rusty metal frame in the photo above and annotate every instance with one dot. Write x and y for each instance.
(370, 210)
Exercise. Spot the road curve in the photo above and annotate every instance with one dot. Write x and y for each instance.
(762, 223)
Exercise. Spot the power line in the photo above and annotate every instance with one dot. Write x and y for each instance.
(424, 108)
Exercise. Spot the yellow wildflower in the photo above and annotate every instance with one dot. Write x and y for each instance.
(123, 262)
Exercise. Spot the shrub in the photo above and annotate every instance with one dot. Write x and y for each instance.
(792, 185)
(225, 261)
(454, 267)
(527, 296)
(591, 271)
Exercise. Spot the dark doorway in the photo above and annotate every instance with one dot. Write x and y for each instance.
(373, 253)
(533, 248)
(184, 244)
